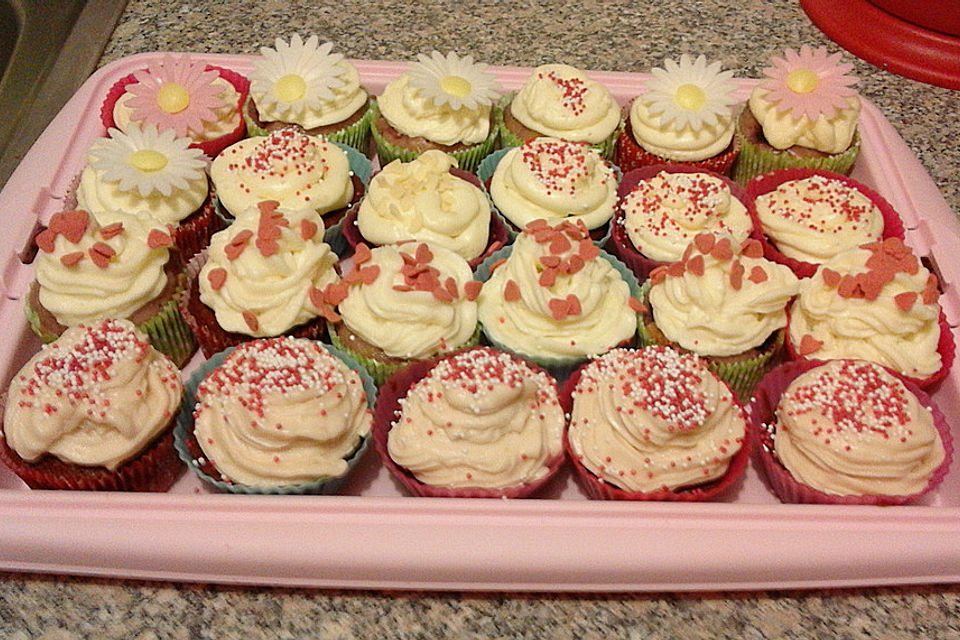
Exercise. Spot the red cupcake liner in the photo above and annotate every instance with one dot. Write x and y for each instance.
(388, 408)
(598, 489)
(498, 234)
(620, 243)
(211, 148)
(193, 234)
(762, 410)
(767, 182)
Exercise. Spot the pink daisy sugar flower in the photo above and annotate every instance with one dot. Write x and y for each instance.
(810, 83)
(175, 93)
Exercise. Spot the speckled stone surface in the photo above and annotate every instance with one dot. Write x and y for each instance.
(624, 36)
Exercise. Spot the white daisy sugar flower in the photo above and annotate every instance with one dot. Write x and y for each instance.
(147, 160)
(690, 93)
(296, 77)
(454, 81)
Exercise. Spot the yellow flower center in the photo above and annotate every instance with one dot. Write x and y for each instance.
(802, 81)
(690, 97)
(455, 86)
(290, 88)
(148, 160)
(173, 97)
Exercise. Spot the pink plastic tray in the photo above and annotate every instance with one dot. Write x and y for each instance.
(373, 537)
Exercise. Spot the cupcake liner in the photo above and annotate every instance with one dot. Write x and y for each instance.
(355, 135)
(388, 407)
(211, 148)
(189, 450)
(154, 469)
(467, 159)
(620, 243)
(755, 160)
(761, 413)
(759, 185)
(193, 233)
(598, 489)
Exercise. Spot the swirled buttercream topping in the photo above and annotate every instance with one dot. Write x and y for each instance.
(281, 411)
(875, 302)
(653, 418)
(662, 215)
(851, 428)
(721, 299)
(556, 296)
(421, 200)
(87, 272)
(479, 419)
(560, 101)
(266, 272)
(96, 396)
(412, 300)
(554, 180)
(815, 218)
(296, 170)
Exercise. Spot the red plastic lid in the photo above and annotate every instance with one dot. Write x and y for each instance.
(887, 41)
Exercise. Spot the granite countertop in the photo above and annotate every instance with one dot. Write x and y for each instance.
(594, 34)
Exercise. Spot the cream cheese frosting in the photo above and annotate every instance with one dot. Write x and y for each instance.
(825, 134)
(412, 112)
(87, 272)
(296, 170)
(722, 299)
(554, 180)
(851, 428)
(684, 145)
(479, 419)
(95, 397)
(876, 302)
(421, 200)
(411, 300)
(682, 428)
(281, 411)
(556, 296)
(561, 101)
(813, 219)
(264, 274)
(663, 214)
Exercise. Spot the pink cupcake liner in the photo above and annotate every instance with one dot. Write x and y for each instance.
(762, 410)
(767, 182)
(620, 243)
(388, 408)
(597, 489)
(211, 148)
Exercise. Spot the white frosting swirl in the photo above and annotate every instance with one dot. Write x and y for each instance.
(684, 145)
(827, 135)
(414, 114)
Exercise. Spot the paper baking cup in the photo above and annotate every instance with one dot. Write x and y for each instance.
(598, 489)
(355, 135)
(189, 450)
(759, 185)
(755, 160)
(762, 412)
(387, 410)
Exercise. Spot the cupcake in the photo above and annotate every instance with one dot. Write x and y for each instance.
(150, 174)
(554, 180)
(86, 272)
(197, 100)
(440, 102)
(94, 411)
(724, 302)
(555, 298)
(263, 276)
(876, 302)
(848, 432)
(404, 302)
(305, 86)
(294, 169)
(427, 199)
(687, 115)
(480, 423)
(804, 217)
(560, 101)
(662, 208)
(654, 424)
(276, 416)
(803, 114)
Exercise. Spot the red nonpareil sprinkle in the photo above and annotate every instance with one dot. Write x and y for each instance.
(556, 164)
(572, 92)
(217, 277)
